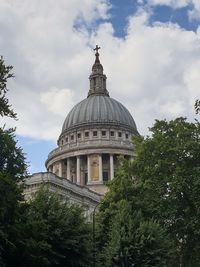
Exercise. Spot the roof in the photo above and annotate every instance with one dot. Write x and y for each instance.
(99, 110)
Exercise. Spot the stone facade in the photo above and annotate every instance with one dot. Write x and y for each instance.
(92, 159)
(74, 193)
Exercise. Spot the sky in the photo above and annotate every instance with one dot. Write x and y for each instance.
(150, 51)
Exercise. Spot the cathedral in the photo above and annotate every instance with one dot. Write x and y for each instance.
(94, 134)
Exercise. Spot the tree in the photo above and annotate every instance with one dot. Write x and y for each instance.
(5, 74)
(12, 159)
(153, 219)
(53, 233)
(124, 235)
(12, 170)
(197, 106)
(47, 231)
(168, 177)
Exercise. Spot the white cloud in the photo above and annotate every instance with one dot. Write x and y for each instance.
(153, 70)
(192, 81)
(195, 12)
(57, 101)
(172, 3)
(173, 108)
(49, 53)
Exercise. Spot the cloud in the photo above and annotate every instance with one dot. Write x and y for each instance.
(153, 70)
(195, 12)
(193, 5)
(172, 3)
(57, 101)
(49, 54)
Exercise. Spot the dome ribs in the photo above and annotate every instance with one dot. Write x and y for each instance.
(101, 110)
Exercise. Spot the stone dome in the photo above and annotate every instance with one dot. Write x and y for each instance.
(99, 110)
(95, 133)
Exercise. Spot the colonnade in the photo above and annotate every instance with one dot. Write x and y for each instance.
(88, 168)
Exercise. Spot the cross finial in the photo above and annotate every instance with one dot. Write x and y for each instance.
(96, 49)
(97, 54)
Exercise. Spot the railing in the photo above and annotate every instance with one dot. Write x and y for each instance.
(91, 144)
(48, 177)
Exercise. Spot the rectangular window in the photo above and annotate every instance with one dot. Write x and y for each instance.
(72, 137)
(85, 178)
(126, 136)
(112, 133)
(105, 176)
(119, 134)
(66, 139)
(95, 133)
(86, 134)
(103, 133)
(79, 135)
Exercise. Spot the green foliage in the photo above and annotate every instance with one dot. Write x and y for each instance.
(168, 176)
(153, 218)
(53, 233)
(12, 171)
(119, 189)
(9, 197)
(124, 235)
(197, 106)
(12, 159)
(5, 74)
(45, 232)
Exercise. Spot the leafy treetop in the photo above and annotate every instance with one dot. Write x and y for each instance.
(5, 74)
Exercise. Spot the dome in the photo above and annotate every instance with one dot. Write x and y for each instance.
(95, 133)
(99, 110)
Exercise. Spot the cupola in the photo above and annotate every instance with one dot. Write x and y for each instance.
(97, 78)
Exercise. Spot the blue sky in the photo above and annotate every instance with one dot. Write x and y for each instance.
(150, 50)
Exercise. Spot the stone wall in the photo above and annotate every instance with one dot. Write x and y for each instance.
(77, 194)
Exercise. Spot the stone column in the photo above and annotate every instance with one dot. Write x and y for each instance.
(68, 169)
(111, 167)
(49, 169)
(100, 169)
(78, 171)
(53, 168)
(88, 169)
(60, 169)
